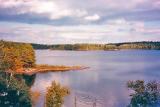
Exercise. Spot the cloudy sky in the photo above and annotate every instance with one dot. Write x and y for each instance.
(79, 21)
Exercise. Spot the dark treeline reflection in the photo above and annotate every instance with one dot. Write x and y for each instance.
(145, 94)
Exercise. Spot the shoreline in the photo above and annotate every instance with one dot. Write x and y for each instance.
(100, 50)
(48, 68)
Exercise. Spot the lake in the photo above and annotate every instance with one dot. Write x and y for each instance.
(104, 82)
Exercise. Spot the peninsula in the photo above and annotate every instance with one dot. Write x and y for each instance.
(19, 58)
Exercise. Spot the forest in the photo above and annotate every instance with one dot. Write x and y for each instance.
(110, 46)
(16, 56)
(15, 88)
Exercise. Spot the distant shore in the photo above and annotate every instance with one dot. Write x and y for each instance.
(144, 45)
(48, 68)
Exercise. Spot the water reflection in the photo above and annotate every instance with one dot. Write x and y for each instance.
(87, 100)
(109, 71)
(144, 95)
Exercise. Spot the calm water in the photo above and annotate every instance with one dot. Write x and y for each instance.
(106, 79)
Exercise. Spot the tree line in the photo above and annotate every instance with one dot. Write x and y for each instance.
(111, 46)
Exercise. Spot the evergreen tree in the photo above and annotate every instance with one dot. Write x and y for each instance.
(13, 93)
(146, 95)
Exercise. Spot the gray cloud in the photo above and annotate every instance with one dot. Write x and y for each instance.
(72, 21)
(73, 12)
(119, 30)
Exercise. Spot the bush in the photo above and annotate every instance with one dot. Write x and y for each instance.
(55, 95)
(146, 95)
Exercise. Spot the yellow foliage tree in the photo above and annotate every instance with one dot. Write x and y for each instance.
(55, 95)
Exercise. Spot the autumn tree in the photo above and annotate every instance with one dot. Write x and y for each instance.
(15, 56)
(55, 95)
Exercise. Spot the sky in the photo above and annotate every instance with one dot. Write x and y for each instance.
(79, 21)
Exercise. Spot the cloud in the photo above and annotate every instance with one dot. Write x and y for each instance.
(50, 9)
(69, 12)
(95, 17)
(119, 30)
(71, 21)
